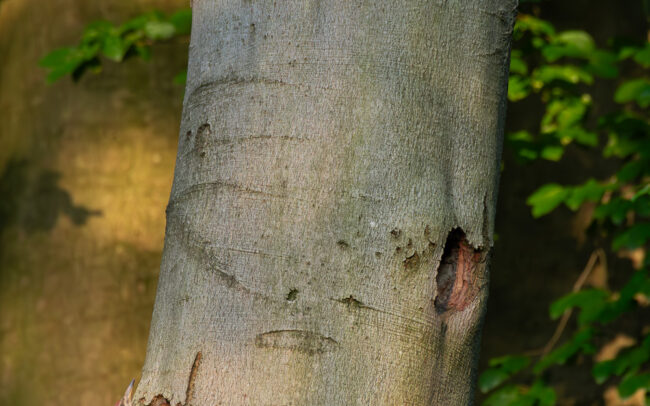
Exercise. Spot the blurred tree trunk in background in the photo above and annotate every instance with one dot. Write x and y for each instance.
(327, 151)
(85, 173)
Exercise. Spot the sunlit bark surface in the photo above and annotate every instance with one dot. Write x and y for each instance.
(332, 210)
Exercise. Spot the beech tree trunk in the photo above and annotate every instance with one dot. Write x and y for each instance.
(331, 215)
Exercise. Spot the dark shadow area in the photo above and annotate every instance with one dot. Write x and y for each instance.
(32, 199)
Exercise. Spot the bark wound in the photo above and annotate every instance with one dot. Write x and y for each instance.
(189, 392)
(296, 340)
(160, 400)
(461, 273)
(202, 139)
(351, 302)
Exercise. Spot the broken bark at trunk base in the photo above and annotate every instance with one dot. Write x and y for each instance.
(332, 153)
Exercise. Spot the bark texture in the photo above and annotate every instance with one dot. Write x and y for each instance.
(332, 207)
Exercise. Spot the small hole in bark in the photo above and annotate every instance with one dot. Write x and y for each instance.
(343, 244)
(292, 295)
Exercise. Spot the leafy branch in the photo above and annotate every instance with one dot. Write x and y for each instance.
(116, 43)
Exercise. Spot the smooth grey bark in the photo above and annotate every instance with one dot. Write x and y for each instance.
(333, 201)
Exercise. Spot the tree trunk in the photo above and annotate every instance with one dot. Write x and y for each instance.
(332, 210)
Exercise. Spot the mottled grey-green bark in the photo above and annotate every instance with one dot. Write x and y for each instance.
(333, 201)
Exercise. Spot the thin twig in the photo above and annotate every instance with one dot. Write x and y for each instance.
(596, 256)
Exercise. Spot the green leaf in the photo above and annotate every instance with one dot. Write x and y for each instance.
(518, 88)
(565, 114)
(578, 40)
(501, 369)
(57, 57)
(581, 341)
(61, 62)
(632, 383)
(564, 73)
(578, 134)
(603, 370)
(591, 302)
(114, 48)
(573, 44)
(546, 198)
(517, 64)
(505, 396)
(182, 21)
(143, 51)
(634, 237)
(491, 378)
(634, 90)
(536, 26)
(544, 395)
(628, 359)
(180, 78)
(632, 170)
(643, 191)
(552, 152)
(603, 64)
(523, 144)
(590, 191)
(616, 210)
(510, 363)
(158, 30)
(642, 57)
(96, 32)
(136, 24)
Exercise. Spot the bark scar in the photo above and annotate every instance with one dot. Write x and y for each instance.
(160, 400)
(461, 275)
(189, 392)
(296, 340)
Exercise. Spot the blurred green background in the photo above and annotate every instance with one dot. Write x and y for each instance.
(86, 164)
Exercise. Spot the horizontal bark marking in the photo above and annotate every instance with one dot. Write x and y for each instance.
(202, 94)
(290, 195)
(353, 303)
(228, 140)
(296, 340)
(214, 185)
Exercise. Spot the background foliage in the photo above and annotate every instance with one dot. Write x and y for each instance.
(558, 69)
